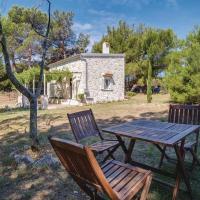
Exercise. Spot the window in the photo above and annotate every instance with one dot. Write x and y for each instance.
(107, 83)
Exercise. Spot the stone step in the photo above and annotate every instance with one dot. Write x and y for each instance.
(71, 102)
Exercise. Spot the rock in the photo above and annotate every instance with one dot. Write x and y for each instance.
(22, 166)
(47, 160)
(23, 159)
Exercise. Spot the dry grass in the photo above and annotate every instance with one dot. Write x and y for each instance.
(45, 183)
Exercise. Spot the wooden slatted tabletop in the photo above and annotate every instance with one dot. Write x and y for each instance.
(158, 133)
(153, 131)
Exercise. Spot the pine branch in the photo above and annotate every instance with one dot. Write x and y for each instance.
(9, 71)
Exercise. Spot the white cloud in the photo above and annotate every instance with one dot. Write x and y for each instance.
(82, 27)
(95, 36)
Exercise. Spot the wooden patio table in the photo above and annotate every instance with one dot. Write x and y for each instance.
(157, 133)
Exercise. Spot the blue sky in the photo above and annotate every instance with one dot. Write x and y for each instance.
(93, 16)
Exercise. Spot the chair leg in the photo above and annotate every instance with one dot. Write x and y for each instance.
(195, 158)
(145, 190)
(93, 195)
(96, 196)
(162, 157)
(110, 154)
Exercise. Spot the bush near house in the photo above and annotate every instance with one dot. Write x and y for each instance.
(81, 97)
(130, 94)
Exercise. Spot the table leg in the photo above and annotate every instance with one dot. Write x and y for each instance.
(181, 172)
(121, 142)
(197, 139)
(196, 149)
(162, 150)
(177, 183)
(130, 150)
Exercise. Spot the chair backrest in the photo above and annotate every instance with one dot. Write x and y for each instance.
(184, 114)
(82, 165)
(83, 124)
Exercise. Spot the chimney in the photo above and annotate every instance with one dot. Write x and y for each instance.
(106, 48)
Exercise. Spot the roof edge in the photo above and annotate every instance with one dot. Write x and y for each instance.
(64, 61)
(102, 55)
(84, 55)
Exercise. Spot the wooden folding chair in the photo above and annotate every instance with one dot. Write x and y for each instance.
(116, 180)
(83, 125)
(185, 114)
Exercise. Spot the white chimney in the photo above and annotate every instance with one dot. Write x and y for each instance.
(106, 48)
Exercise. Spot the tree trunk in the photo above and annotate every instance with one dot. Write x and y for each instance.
(20, 87)
(29, 56)
(33, 124)
(149, 83)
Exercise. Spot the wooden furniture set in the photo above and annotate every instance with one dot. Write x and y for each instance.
(117, 180)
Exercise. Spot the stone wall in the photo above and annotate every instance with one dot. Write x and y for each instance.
(94, 67)
(97, 67)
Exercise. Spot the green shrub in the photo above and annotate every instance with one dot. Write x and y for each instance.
(81, 97)
(183, 74)
(183, 79)
(130, 94)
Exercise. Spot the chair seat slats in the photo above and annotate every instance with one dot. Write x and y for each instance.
(124, 181)
(103, 145)
(135, 182)
(115, 174)
(107, 167)
(119, 181)
(123, 178)
(111, 170)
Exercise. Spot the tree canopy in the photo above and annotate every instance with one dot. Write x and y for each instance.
(24, 28)
(27, 76)
(183, 74)
(140, 44)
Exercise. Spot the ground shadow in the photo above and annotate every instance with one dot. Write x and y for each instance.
(21, 182)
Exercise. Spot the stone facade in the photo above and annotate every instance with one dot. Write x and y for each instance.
(99, 76)
(77, 67)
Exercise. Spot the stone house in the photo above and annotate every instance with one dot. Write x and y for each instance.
(97, 76)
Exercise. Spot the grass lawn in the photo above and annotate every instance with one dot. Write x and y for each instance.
(20, 182)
